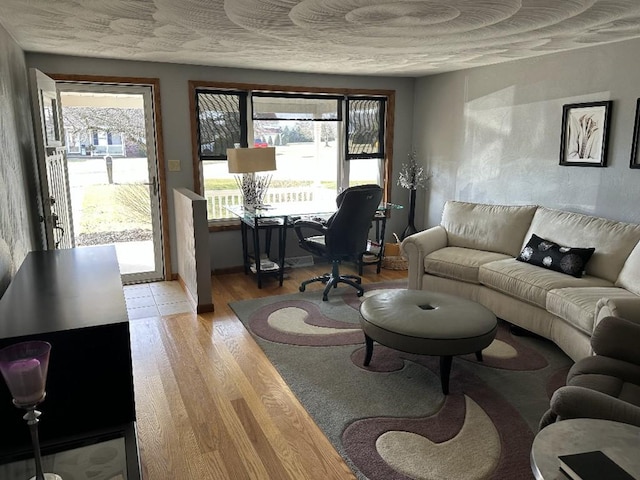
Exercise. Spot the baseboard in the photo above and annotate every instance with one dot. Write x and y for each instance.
(192, 301)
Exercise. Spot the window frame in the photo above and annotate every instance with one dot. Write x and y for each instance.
(199, 85)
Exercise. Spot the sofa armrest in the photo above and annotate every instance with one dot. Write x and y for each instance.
(581, 402)
(617, 338)
(415, 247)
(628, 308)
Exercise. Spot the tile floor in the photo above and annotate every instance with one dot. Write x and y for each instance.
(155, 299)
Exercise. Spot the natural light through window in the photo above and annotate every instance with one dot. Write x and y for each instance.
(318, 151)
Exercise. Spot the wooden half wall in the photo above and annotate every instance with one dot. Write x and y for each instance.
(192, 245)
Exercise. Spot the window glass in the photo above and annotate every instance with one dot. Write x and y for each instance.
(306, 159)
(295, 107)
(308, 134)
(364, 171)
(220, 189)
(365, 128)
(221, 123)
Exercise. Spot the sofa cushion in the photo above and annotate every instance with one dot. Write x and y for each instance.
(613, 241)
(629, 277)
(577, 306)
(530, 283)
(459, 263)
(547, 254)
(493, 228)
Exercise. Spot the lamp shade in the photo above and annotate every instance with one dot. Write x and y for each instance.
(24, 367)
(250, 160)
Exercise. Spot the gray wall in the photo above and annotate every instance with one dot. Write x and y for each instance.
(492, 134)
(489, 134)
(17, 180)
(225, 251)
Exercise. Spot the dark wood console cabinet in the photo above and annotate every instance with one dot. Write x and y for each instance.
(74, 300)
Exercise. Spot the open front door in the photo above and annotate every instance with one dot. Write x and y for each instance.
(52, 162)
(113, 170)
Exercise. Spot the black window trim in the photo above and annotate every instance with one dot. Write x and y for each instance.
(242, 101)
(310, 96)
(381, 132)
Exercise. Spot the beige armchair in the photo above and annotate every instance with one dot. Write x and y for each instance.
(606, 385)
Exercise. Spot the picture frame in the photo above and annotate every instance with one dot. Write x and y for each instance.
(634, 161)
(585, 134)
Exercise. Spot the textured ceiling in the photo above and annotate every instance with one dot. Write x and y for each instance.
(370, 37)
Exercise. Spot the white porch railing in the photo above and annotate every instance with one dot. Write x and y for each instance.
(217, 200)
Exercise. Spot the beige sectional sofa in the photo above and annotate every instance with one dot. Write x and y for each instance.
(472, 253)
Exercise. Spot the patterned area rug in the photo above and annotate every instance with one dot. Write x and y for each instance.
(390, 420)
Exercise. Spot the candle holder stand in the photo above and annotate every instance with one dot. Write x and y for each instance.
(24, 367)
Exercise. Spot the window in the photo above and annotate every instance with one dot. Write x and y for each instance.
(325, 141)
(365, 121)
(222, 122)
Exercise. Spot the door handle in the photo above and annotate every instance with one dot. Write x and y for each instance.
(56, 226)
(153, 183)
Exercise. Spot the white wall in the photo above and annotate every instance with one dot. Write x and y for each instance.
(193, 262)
(18, 207)
(225, 251)
(492, 134)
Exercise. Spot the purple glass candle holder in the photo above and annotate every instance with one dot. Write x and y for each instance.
(24, 367)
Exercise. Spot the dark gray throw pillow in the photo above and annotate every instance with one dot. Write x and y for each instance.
(547, 254)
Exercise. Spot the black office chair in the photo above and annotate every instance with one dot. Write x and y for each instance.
(343, 236)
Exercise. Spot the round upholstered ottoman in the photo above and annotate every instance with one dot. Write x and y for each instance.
(427, 323)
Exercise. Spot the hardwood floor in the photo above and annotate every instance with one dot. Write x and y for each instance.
(211, 406)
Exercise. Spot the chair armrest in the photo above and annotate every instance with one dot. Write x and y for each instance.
(618, 338)
(581, 402)
(300, 225)
(627, 308)
(415, 247)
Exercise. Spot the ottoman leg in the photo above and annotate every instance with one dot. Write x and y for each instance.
(479, 355)
(368, 349)
(445, 372)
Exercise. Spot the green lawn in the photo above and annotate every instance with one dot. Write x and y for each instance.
(114, 208)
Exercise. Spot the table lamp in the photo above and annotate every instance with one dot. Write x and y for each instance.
(24, 367)
(248, 161)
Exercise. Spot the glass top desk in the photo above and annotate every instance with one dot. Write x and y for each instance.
(111, 455)
(281, 216)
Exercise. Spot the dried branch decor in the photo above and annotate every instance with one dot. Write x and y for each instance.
(254, 188)
(412, 176)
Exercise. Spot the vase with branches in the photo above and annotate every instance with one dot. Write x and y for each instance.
(412, 177)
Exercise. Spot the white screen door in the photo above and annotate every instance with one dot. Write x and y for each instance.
(54, 201)
(110, 147)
